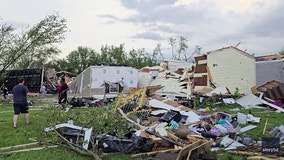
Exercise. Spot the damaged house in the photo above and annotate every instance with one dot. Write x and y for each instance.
(227, 67)
(101, 81)
(232, 68)
(167, 80)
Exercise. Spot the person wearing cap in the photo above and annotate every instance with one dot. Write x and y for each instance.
(20, 93)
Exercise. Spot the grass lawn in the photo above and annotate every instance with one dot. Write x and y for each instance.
(24, 134)
(40, 117)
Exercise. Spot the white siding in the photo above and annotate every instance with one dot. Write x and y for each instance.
(114, 74)
(232, 69)
(81, 83)
(268, 71)
(92, 79)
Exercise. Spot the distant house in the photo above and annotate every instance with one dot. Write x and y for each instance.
(232, 68)
(269, 68)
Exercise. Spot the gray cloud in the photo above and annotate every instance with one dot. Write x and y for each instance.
(206, 24)
(108, 16)
(163, 28)
(268, 25)
(145, 6)
(165, 12)
(203, 18)
(149, 35)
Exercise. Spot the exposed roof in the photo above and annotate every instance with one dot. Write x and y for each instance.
(270, 57)
(150, 69)
(170, 84)
(231, 47)
(273, 90)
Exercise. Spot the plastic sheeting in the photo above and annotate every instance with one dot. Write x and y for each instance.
(134, 144)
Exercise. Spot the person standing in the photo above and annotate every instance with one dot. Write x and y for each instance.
(5, 91)
(58, 90)
(63, 93)
(20, 93)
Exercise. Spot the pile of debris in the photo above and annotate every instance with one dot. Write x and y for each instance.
(170, 130)
(170, 125)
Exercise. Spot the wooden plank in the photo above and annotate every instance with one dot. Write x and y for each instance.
(209, 74)
(184, 151)
(205, 147)
(264, 127)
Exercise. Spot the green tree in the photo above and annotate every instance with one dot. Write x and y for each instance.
(197, 51)
(38, 59)
(157, 52)
(172, 42)
(282, 51)
(16, 47)
(83, 57)
(79, 59)
(113, 55)
(182, 47)
(95, 58)
(139, 59)
(57, 64)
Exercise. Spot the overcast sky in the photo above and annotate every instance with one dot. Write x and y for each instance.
(211, 24)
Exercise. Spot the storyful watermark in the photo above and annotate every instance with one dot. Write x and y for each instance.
(270, 146)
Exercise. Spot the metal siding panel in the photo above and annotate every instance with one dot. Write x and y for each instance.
(268, 71)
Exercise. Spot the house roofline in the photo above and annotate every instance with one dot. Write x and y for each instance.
(220, 49)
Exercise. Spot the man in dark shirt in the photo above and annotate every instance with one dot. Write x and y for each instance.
(20, 93)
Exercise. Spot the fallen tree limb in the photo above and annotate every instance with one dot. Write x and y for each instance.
(131, 121)
(77, 148)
